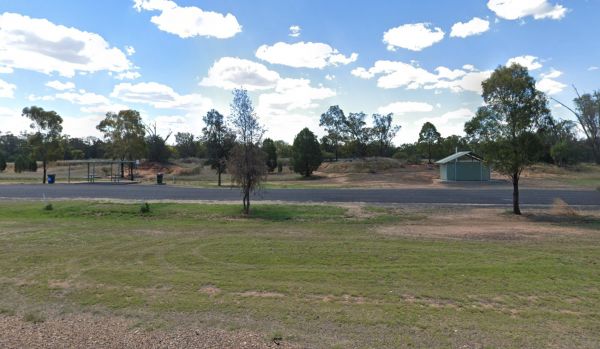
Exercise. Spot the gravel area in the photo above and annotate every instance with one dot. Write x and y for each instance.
(92, 331)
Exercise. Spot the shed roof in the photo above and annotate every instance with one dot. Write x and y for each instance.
(459, 155)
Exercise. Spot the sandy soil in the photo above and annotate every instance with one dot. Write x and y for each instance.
(99, 331)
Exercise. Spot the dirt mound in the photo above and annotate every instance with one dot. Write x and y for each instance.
(367, 165)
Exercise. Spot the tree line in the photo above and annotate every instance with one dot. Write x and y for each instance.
(513, 129)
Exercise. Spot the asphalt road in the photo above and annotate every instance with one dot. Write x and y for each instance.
(473, 196)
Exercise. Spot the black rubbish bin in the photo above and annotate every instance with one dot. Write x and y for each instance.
(159, 178)
(51, 178)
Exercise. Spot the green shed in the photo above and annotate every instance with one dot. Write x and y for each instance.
(464, 166)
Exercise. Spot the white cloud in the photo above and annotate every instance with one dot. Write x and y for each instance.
(231, 72)
(292, 94)
(592, 68)
(61, 86)
(160, 96)
(528, 61)
(475, 26)
(12, 121)
(295, 31)
(6, 70)
(303, 55)
(469, 67)
(450, 123)
(128, 75)
(34, 98)
(42, 46)
(104, 108)
(548, 85)
(395, 74)
(518, 9)
(83, 97)
(330, 77)
(7, 90)
(187, 22)
(414, 37)
(400, 108)
(130, 50)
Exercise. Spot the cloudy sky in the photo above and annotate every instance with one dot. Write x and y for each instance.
(174, 60)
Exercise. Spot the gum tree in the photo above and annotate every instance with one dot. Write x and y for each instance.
(505, 128)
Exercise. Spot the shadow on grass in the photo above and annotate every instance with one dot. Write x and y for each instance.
(571, 220)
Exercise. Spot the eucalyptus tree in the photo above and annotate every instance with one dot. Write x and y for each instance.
(45, 142)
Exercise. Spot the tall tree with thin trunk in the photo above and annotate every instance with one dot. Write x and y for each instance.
(429, 136)
(45, 142)
(124, 132)
(505, 128)
(219, 140)
(247, 163)
(334, 123)
(384, 131)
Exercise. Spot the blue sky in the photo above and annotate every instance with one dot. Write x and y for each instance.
(174, 60)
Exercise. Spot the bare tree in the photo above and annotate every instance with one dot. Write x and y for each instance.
(247, 163)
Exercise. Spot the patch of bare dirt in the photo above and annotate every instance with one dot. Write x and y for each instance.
(95, 331)
(481, 224)
(210, 290)
(261, 294)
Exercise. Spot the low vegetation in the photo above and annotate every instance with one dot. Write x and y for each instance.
(316, 276)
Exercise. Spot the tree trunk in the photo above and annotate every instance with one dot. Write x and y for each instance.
(336, 153)
(122, 168)
(516, 207)
(44, 172)
(219, 174)
(429, 153)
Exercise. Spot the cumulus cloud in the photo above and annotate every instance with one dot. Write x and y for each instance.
(7, 90)
(400, 108)
(304, 55)
(12, 121)
(548, 84)
(295, 31)
(128, 75)
(6, 70)
(187, 22)
(231, 72)
(42, 46)
(517, 9)
(528, 61)
(83, 97)
(395, 74)
(159, 96)
(475, 26)
(329, 77)
(292, 94)
(414, 37)
(61, 86)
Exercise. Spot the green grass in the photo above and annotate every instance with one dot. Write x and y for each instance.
(317, 275)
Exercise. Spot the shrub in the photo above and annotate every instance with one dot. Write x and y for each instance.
(307, 155)
(48, 207)
(2, 163)
(145, 208)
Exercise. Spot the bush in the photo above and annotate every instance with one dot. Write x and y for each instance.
(2, 163)
(48, 207)
(145, 208)
(279, 167)
(307, 155)
(24, 163)
(400, 155)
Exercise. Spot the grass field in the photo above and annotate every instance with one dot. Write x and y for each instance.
(316, 276)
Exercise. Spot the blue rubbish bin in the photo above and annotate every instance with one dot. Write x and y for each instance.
(51, 178)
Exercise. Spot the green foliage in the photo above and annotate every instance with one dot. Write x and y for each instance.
(124, 133)
(506, 126)
(383, 132)
(563, 153)
(270, 150)
(2, 162)
(333, 122)
(45, 143)
(279, 167)
(284, 150)
(186, 145)
(48, 207)
(156, 145)
(219, 140)
(307, 155)
(428, 138)
(24, 163)
(145, 208)
(246, 162)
